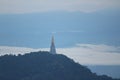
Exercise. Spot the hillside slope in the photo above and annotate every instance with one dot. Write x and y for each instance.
(44, 66)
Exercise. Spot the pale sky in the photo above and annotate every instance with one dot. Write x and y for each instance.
(33, 6)
(87, 31)
(94, 24)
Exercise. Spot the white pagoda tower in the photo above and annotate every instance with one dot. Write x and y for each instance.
(52, 47)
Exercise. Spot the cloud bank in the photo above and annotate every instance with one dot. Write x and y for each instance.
(86, 54)
(90, 54)
(30, 6)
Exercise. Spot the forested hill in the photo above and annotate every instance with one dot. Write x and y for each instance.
(44, 66)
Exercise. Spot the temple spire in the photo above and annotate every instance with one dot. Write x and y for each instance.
(52, 47)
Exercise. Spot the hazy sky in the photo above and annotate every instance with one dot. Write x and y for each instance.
(30, 6)
(83, 26)
(87, 31)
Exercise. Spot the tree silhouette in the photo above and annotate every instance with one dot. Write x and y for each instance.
(44, 66)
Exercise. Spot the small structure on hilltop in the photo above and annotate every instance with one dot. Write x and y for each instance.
(52, 47)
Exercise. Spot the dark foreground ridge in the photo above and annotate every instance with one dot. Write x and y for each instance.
(44, 66)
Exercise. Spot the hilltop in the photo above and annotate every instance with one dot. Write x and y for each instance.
(44, 66)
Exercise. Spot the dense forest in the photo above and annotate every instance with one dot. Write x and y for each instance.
(44, 66)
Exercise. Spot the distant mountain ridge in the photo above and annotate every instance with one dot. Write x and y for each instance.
(44, 66)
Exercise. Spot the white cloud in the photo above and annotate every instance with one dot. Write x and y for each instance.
(72, 31)
(29, 6)
(15, 50)
(93, 54)
(86, 54)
